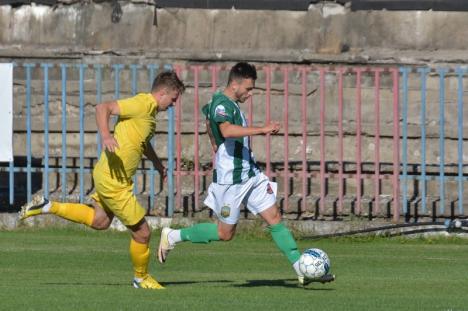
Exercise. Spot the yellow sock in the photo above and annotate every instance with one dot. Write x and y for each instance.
(76, 212)
(140, 255)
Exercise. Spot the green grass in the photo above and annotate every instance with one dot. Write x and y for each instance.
(71, 269)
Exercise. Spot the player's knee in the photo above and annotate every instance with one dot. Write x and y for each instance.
(101, 223)
(142, 237)
(226, 236)
(141, 232)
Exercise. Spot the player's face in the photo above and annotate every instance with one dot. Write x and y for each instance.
(168, 98)
(243, 89)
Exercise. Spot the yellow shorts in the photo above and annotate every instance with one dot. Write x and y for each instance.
(118, 199)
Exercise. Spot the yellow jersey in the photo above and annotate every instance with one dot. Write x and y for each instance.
(134, 129)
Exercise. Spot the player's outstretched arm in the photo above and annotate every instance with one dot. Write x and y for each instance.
(103, 113)
(229, 130)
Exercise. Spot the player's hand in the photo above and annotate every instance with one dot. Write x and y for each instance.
(163, 172)
(109, 143)
(272, 128)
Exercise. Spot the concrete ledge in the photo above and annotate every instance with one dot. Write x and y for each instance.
(301, 228)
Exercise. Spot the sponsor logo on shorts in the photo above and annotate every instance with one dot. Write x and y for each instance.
(269, 190)
(225, 211)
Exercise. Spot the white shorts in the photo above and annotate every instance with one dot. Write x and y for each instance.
(257, 194)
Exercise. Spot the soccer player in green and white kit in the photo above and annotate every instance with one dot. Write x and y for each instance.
(237, 179)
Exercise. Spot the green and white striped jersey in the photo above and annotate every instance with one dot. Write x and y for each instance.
(235, 162)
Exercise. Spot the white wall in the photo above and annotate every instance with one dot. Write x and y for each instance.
(6, 114)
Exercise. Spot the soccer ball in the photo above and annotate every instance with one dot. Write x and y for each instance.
(314, 263)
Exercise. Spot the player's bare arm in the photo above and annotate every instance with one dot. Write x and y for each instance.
(153, 157)
(229, 130)
(210, 135)
(103, 113)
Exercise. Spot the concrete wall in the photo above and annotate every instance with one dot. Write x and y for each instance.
(325, 33)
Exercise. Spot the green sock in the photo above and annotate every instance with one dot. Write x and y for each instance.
(285, 241)
(200, 233)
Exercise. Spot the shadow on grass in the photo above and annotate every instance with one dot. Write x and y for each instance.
(130, 283)
(87, 284)
(291, 283)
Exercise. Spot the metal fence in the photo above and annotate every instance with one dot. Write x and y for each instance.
(354, 140)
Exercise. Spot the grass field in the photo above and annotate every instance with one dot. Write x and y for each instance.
(73, 269)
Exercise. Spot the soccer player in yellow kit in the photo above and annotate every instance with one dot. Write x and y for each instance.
(112, 175)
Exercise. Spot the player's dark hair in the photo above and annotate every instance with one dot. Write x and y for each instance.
(242, 71)
(168, 79)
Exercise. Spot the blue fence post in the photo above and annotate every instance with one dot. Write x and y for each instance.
(117, 68)
(460, 74)
(134, 74)
(46, 128)
(81, 68)
(442, 72)
(98, 70)
(423, 71)
(64, 131)
(152, 74)
(28, 68)
(170, 156)
(405, 71)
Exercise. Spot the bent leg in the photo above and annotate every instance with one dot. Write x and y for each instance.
(79, 213)
(281, 234)
(200, 233)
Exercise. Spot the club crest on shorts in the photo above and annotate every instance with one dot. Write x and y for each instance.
(269, 190)
(225, 211)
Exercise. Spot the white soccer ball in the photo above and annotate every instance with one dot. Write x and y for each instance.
(314, 263)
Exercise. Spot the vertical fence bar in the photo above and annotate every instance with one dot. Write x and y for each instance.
(11, 179)
(45, 68)
(460, 74)
(340, 140)
(196, 72)
(358, 139)
(117, 68)
(152, 74)
(250, 118)
(323, 180)
(396, 146)
(303, 71)
(28, 68)
(442, 72)
(423, 72)
(286, 137)
(178, 206)
(214, 86)
(268, 71)
(170, 157)
(98, 73)
(250, 114)
(134, 74)
(81, 68)
(64, 132)
(405, 72)
(377, 72)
